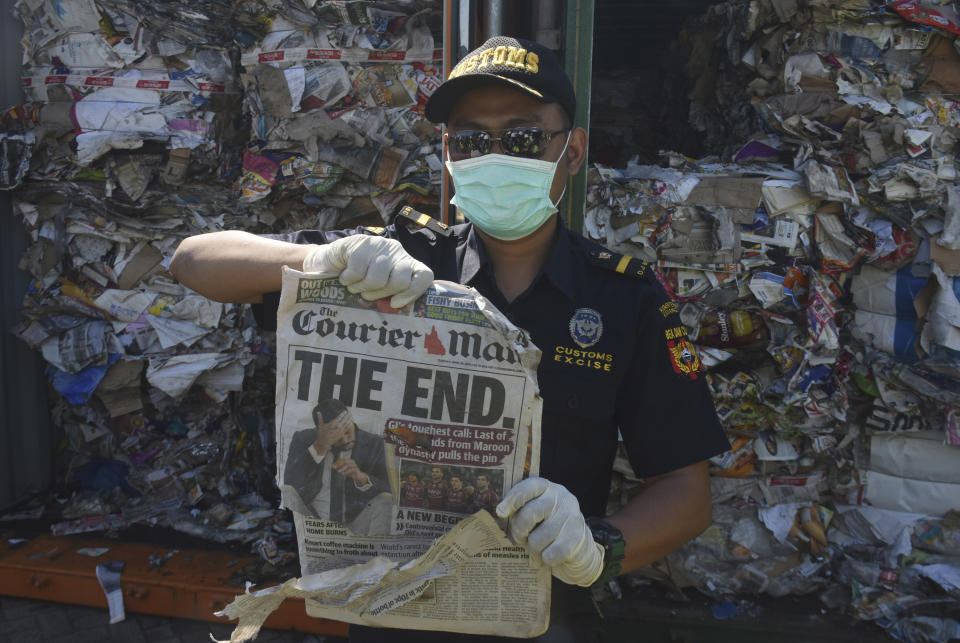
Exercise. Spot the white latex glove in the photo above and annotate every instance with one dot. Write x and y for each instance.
(546, 518)
(374, 267)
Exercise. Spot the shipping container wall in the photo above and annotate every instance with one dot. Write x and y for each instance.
(26, 441)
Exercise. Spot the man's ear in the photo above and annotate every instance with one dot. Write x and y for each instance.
(576, 150)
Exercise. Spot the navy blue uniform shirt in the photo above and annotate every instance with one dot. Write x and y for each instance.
(615, 355)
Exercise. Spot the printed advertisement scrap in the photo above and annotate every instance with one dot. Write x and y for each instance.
(398, 431)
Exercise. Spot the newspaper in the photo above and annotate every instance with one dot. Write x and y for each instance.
(398, 432)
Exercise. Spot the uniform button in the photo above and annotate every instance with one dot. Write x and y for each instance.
(573, 402)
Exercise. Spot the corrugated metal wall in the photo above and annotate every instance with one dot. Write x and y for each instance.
(26, 440)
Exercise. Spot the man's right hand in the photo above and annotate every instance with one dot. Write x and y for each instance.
(373, 267)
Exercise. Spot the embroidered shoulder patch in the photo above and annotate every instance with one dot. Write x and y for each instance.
(684, 357)
(424, 221)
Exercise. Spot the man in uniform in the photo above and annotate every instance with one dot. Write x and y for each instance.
(413, 491)
(458, 496)
(437, 487)
(602, 321)
(484, 497)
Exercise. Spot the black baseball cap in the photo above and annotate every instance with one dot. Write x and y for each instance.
(523, 65)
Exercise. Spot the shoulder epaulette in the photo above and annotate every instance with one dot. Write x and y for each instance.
(424, 221)
(623, 264)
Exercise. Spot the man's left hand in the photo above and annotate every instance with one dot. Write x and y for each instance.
(545, 517)
(348, 467)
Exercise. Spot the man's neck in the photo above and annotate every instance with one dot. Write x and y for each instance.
(517, 263)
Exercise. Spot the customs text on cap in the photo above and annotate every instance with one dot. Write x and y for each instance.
(524, 65)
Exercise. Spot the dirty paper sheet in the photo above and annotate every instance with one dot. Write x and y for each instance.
(467, 566)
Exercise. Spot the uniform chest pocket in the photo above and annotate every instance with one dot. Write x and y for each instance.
(578, 431)
(578, 392)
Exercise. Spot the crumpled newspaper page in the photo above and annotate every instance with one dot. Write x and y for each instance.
(363, 592)
(398, 432)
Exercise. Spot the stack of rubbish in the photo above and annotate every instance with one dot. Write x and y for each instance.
(106, 77)
(150, 122)
(816, 263)
(128, 144)
(336, 96)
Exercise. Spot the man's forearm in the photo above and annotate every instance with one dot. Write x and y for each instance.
(671, 509)
(234, 266)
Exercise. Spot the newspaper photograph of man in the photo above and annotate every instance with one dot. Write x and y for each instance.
(413, 491)
(485, 496)
(458, 495)
(437, 487)
(337, 471)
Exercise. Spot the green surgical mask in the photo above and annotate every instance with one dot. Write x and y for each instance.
(508, 197)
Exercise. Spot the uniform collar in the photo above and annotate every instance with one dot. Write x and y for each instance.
(560, 264)
(474, 256)
(558, 267)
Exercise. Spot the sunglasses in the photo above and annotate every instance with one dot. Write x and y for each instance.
(525, 142)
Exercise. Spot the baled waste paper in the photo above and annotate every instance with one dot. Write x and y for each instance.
(814, 260)
(145, 123)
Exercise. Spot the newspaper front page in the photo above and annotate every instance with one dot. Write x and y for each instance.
(398, 432)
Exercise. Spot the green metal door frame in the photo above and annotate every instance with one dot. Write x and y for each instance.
(578, 61)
